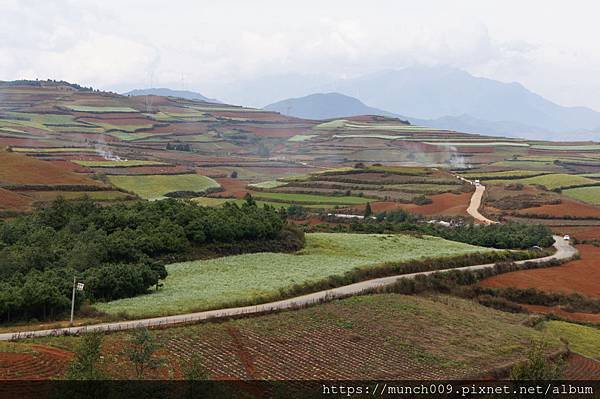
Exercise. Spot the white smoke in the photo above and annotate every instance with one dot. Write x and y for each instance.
(456, 160)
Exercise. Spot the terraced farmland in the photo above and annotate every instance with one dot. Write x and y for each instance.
(551, 181)
(591, 195)
(416, 337)
(154, 187)
(252, 277)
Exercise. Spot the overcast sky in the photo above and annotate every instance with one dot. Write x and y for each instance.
(549, 46)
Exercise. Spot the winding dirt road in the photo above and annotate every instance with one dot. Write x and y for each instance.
(563, 251)
(475, 204)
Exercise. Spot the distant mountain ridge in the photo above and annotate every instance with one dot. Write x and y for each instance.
(165, 92)
(440, 92)
(336, 105)
(324, 106)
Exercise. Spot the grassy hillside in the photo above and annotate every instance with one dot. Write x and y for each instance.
(155, 187)
(367, 337)
(246, 278)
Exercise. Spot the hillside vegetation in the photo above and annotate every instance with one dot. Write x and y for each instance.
(251, 277)
(118, 251)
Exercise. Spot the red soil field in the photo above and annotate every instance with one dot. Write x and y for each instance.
(580, 232)
(20, 169)
(443, 204)
(73, 167)
(233, 187)
(42, 364)
(13, 201)
(566, 208)
(579, 276)
(573, 316)
(581, 368)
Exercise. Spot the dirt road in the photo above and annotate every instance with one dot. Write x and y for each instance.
(564, 251)
(475, 204)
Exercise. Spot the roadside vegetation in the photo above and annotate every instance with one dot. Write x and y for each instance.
(119, 251)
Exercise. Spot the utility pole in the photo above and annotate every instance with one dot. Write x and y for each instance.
(73, 299)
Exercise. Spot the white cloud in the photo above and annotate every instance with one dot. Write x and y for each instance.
(547, 45)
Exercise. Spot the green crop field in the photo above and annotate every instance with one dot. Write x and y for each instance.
(132, 136)
(551, 181)
(211, 201)
(367, 136)
(425, 188)
(94, 109)
(156, 186)
(587, 194)
(117, 164)
(590, 147)
(302, 137)
(503, 174)
(267, 184)
(478, 144)
(244, 278)
(581, 339)
(312, 198)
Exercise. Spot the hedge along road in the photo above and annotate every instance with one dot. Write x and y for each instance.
(564, 251)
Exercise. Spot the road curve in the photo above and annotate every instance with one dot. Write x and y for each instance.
(475, 204)
(563, 251)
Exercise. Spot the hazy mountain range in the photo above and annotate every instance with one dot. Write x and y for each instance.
(189, 95)
(441, 97)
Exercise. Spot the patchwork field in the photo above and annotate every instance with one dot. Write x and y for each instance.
(434, 337)
(590, 195)
(579, 276)
(156, 187)
(251, 277)
(582, 339)
(551, 181)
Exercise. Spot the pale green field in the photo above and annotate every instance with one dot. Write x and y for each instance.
(93, 109)
(156, 186)
(505, 173)
(129, 136)
(551, 181)
(477, 144)
(582, 339)
(590, 147)
(244, 278)
(312, 198)
(267, 184)
(113, 164)
(590, 195)
(367, 136)
(302, 137)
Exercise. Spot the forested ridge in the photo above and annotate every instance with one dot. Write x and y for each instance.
(118, 251)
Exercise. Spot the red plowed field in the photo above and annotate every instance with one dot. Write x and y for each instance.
(443, 204)
(581, 368)
(580, 232)
(566, 208)
(574, 316)
(579, 276)
(13, 201)
(41, 364)
(20, 169)
(233, 187)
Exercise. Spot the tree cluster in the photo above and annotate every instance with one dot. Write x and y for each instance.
(118, 251)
